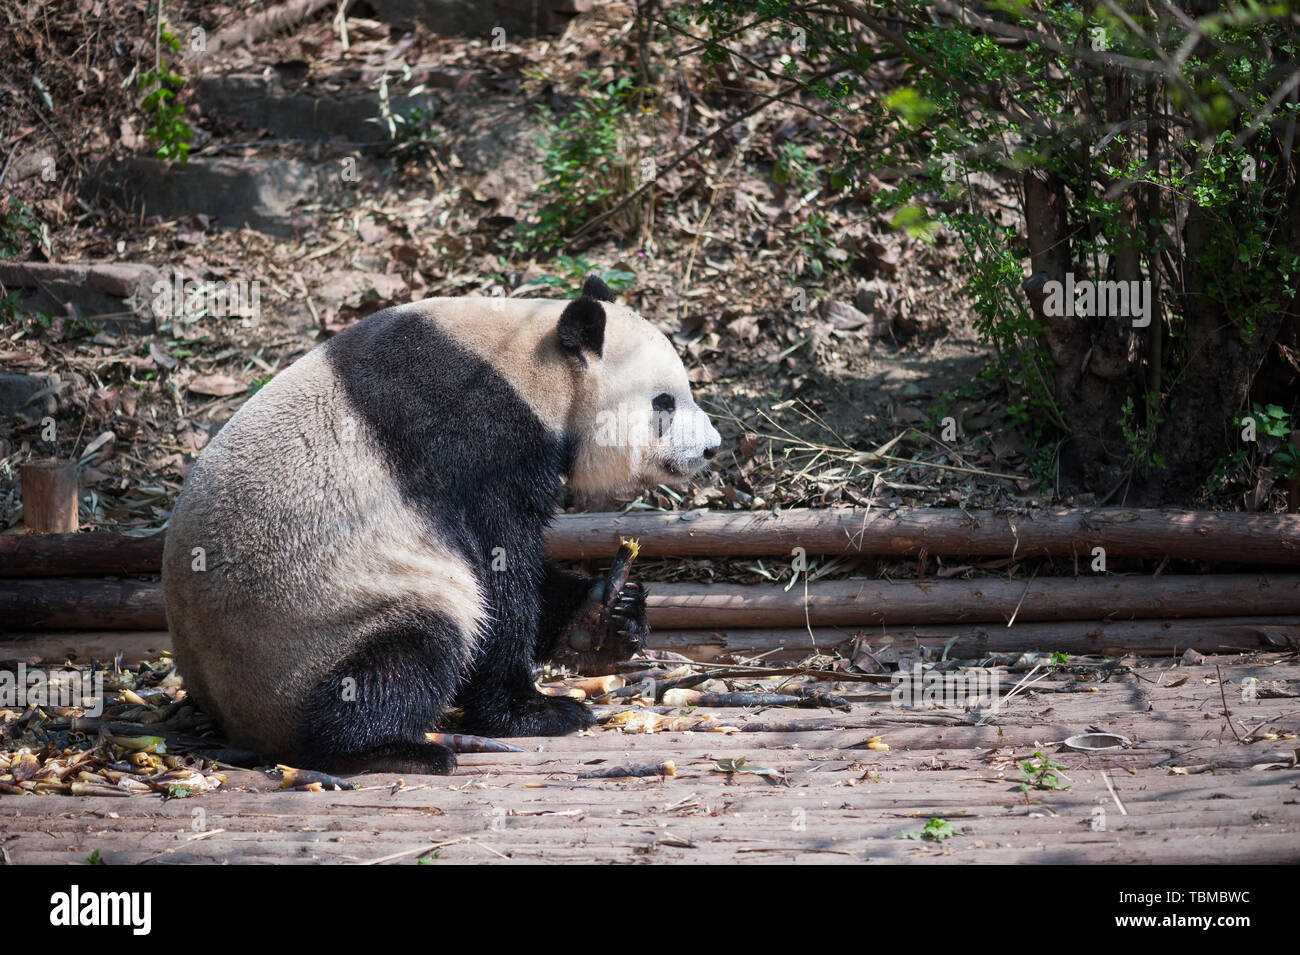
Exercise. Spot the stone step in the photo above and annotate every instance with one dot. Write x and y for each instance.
(518, 18)
(258, 101)
(116, 296)
(31, 396)
(495, 139)
(267, 194)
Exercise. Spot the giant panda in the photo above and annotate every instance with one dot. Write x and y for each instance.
(360, 548)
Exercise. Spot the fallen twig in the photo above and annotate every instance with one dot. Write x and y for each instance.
(666, 768)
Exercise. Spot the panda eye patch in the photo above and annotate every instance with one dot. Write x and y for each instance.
(664, 402)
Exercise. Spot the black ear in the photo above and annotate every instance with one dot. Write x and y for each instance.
(596, 288)
(582, 327)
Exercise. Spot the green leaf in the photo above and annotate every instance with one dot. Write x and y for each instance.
(915, 221)
(914, 108)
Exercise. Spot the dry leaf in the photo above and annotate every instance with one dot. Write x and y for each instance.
(162, 356)
(219, 386)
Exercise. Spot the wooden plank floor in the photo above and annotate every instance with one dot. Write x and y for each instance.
(1191, 791)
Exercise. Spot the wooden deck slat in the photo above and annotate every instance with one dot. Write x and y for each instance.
(854, 803)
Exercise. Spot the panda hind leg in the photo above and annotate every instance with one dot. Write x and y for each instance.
(370, 713)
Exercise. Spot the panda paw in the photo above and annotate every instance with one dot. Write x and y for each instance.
(538, 715)
(601, 635)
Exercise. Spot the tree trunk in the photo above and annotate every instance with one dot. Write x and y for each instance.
(49, 496)
(1215, 381)
(1087, 353)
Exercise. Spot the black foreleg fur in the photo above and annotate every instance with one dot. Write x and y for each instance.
(499, 699)
(563, 594)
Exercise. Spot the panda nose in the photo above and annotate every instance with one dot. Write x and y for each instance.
(709, 453)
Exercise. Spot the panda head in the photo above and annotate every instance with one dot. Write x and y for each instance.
(633, 422)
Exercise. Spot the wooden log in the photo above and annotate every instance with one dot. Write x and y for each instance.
(81, 604)
(81, 646)
(63, 555)
(1075, 637)
(49, 495)
(875, 603)
(1059, 532)
(108, 604)
(1256, 539)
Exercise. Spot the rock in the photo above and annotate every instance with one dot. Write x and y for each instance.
(262, 193)
(387, 287)
(356, 289)
(259, 101)
(842, 315)
(95, 290)
(494, 141)
(354, 295)
(30, 163)
(885, 260)
(872, 296)
(845, 317)
(15, 393)
(32, 397)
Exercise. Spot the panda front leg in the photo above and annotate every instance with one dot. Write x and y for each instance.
(499, 698)
(582, 629)
(563, 595)
(507, 703)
